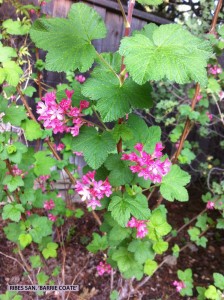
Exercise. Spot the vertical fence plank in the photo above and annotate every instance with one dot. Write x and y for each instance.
(115, 26)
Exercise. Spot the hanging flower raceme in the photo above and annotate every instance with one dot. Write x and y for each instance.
(140, 225)
(149, 166)
(57, 116)
(93, 191)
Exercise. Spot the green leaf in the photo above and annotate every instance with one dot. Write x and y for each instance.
(12, 231)
(68, 41)
(158, 226)
(120, 173)
(35, 261)
(13, 182)
(29, 91)
(10, 72)
(212, 293)
(28, 196)
(160, 246)
(169, 51)
(14, 114)
(154, 136)
(50, 250)
(139, 130)
(150, 267)
(42, 278)
(6, 53)
(25, 239)
(43, 163)
(185, 275)
(117, 234)
(114, 99)
(98, 243)
(12, 212)
(124, 259)
(202, 221)
(122, 131)
(41, 227)
(15, 27)
(122, 208)
(114, 295)
(201, 292)
(218, 280)
(194, 233)
(142, 250)
(94, 146)
(173, 183)
(220, 224)
(32, 130)
(150, 2)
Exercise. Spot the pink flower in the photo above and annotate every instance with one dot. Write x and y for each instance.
(78, 153)
(48, 205)
(69, 94)
(16, 171)
(93, 191)
(52, 217)
(60, 147)
(65, 104)
(214, 70)
(103, 268)
(221, 95)
(148, 166)
(140, 225)
(32, 11)
(84, 104)
(199, 97)
(210, 205)
(28, 213)
(179, 285)
(210, 116)
(43, 3)
(80, 78)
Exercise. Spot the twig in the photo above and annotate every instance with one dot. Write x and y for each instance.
(123, 13)
(73, 281)
(18, 262)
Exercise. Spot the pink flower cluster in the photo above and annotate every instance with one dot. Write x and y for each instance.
(56, 116)
(16, 171)
(140, 225)
(48, 205)
(214, 70)
(42, 181)
(80, 78)
(103, 268)
(59, 147)
(210, 205)
(93, 191)
(148, 166)
(179, 285)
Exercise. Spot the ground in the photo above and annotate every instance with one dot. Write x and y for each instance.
(80, 266)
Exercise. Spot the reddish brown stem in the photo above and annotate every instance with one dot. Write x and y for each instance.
(187, 125)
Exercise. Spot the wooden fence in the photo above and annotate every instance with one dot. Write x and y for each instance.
(110, 12)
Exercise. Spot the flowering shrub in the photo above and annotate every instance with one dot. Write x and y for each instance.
(100, 118)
